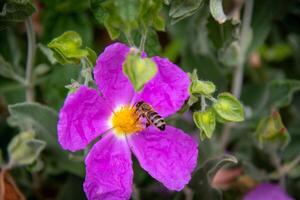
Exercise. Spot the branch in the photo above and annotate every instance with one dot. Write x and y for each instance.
(31, 48)
(135, 193)
(239, 70)
(277, 163)
(238, 76)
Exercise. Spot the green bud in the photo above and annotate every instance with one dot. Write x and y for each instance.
(206, 121)
(229, 108)
(67, 49)
(202, 87)
(271, 130)
(138, 70)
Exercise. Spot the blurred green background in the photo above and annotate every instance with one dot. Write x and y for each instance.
(265, 50)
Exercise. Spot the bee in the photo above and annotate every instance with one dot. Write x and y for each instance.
(146, 111)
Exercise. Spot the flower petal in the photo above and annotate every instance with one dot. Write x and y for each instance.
(83, 117)
(168, 90)
(109, 170)
(169, 156)
(267, 191)
(109, 77)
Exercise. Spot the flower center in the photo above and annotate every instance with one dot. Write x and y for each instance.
(125, 121)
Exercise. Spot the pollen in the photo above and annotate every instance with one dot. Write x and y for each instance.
(125, 121)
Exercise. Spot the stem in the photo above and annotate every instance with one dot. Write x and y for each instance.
(291, 165)
(203, 103)
(211, 98)
(31, 48)
(239, 70)
(237, 80)
(19, 79)
(143, 40)
(276, 161)
(238, 74)
(284, 169)
(135, 193)
(85, 71)
(188, 193)
(129, 39)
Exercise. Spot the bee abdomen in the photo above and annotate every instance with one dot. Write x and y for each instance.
(157, 120)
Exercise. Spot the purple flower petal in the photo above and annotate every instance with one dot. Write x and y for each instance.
(168, 90)
(267, 191)
(169, 156)
(109, 170)
(109, 77)
(83, 117)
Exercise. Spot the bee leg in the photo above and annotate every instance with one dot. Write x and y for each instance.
(147, 124)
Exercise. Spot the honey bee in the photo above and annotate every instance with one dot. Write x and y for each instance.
(146, 111)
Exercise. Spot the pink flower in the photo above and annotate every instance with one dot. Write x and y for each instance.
(168, 156)
(267, 191)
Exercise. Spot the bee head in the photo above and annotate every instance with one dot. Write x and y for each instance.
(139, 103)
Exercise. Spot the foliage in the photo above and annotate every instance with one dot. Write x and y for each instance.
(242, 58)
(13, 11)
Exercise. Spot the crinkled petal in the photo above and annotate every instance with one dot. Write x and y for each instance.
(109, 77)
(169, 156)
(168, 90)
(109, 170)
(267, 191)
(83, 117)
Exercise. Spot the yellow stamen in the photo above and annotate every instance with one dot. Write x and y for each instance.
(125, 121)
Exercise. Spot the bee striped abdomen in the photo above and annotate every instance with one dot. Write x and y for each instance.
(156, 120)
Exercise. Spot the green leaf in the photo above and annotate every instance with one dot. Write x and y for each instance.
(276, 53)
(262, 19)
(127, 9)
(229, 55)
(41, 69)
(48, 53)
(24, 149)
(206, 121)
(139, 70)
(113, 32)
(66, 48)
(43, 120)
(202, 179)
(277, 93)
(193, 98)
(229, 108)
(128, 16)
(202, 87)
(36, 166)
(271, 131)
(181, 9)
(66, 5)
(6, 69)
(280, 92)
(216, 10)
(12, 11)
(159, 23)
(92, 57)
(149, 14)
